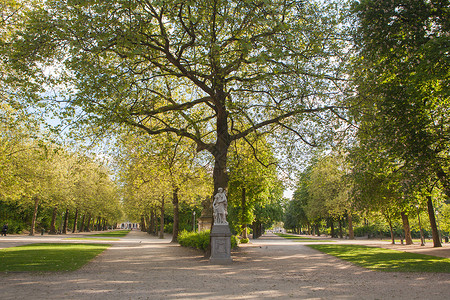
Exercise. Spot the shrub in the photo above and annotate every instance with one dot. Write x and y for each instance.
(14, 226)
(244, 241)
(200, 240)
(234, 241)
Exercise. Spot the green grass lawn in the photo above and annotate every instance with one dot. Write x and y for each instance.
(386, 260)
(115, 233)
(91, 238)
(45, 257)
(298, 238)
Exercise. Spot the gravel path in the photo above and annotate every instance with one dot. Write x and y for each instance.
(143, 267)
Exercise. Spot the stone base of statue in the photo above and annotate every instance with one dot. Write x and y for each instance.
(220, 244)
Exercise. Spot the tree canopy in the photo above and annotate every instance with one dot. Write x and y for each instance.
(209, 71)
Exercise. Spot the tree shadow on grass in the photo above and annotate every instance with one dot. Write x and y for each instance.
(386, 260)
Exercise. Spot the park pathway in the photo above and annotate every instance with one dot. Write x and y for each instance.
(140, 266)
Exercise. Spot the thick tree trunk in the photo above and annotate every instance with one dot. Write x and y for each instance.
(98, 226)
(176, 216)
(244, 231)
(53, 223)
(341, 235)
(66, 221)
(331, 222)
(149, 222)
(257, 229)
(220, 149)
(406, 228)
(432, 217)
(33, 220)
(351, 233)
(75, 221)
(82, 223)
(152, 227)
(143, 223)
(392, 233)
(88, 223)
(161, 225)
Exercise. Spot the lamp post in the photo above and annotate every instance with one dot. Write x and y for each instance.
(422, 240)
(194, 220)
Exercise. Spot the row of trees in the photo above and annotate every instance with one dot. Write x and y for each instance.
(162, 179)
(40, 180)
(398, 164)
(233, 78)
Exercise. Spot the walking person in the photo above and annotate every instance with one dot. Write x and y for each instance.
(5, 229)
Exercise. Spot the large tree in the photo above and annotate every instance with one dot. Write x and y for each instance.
(209, 71)
(402, 77)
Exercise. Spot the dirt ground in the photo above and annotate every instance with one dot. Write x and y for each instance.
(140, 266)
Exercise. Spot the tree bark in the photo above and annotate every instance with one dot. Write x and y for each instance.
(432, 217)
(33, 220)
(176, 216)
(53, 223)
(332, 233)
(257, 229)
(143, 223)
(341, 235)
(406, 228)
(82, 223)
(88, 224)
(392, 232)
(152, 227)
(75, 221)
(66, 220)
(161, 225)
(351, 233)
(99, 221)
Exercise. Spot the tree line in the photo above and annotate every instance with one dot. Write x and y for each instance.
(229, 90)
(397, 164)
(44, 184)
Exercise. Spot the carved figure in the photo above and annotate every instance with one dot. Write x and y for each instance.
(220, 206)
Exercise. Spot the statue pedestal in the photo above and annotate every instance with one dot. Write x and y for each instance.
(220, 245)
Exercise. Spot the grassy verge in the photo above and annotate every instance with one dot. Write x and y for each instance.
(115, 233)
(386, 260)
(91, 238)
(45, 257)
(298, 238)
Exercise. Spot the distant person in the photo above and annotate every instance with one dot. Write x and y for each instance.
(5, 229)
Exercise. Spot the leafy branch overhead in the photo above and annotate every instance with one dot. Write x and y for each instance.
(176, 67)
(212, 71)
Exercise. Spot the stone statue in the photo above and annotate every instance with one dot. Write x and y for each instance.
(220, 206)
